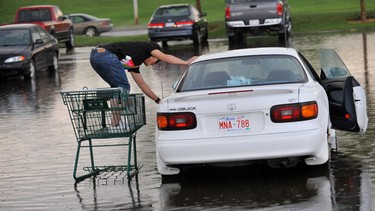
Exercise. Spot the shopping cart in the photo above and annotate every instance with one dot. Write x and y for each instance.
(92, 112)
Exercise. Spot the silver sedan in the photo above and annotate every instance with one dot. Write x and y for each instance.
(89, 25)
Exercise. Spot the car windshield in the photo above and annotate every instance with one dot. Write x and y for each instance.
(14, 37)
(172, 12)
(242, 71)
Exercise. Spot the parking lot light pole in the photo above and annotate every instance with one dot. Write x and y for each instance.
(135, 8)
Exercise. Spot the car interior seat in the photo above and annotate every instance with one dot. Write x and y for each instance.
(215, 79)
(283, 75)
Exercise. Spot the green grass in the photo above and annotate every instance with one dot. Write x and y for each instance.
(307, 15)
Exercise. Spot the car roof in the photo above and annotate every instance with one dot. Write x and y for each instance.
(37, 6)
(83, 14)
(18, 26)
(173, 5)
(249, 52)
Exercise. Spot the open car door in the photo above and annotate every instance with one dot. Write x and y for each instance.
(347, 99)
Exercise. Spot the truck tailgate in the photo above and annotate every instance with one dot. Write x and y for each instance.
(250, 10)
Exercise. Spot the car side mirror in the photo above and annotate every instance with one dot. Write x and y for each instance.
(203, 14)
(38, 41)
(337, 72)
(64, 17)
(174, 85)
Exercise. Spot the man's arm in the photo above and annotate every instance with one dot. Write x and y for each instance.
(170, 58)
(144, 86)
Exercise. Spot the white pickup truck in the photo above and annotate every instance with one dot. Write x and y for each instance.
(256, 17)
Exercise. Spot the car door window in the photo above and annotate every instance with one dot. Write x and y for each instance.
(78, 19)
(44, 35)
(332, 65)
(35, 35)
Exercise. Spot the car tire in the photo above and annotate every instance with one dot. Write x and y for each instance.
(55, 64)
(205, 36)
(164, 44)
(91, 31)
(237, 40)
(285, 33)
(197, 37)
(165, 179)
(70, 42)
(30, 73)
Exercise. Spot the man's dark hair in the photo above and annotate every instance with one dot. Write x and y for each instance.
(155, 45)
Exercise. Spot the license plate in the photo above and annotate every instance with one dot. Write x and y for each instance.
(254, 22)
(236, 123)
(169, 24)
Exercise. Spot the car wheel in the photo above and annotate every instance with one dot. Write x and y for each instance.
(205, 36)
(165, 179)
(237, 40)
(197, 38)
(285, 33)
(30, 74)
(91, 31)
(55, 64)
(70, 42)
(164, 44)
(283, 38)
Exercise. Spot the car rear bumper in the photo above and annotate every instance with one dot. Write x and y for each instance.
(159, 35)
(242, 148)
(274, 25)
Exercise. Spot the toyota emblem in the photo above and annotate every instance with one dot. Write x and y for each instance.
(231, 107)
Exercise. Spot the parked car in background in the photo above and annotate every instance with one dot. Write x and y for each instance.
(51, 18)
(257, 17)
(89, 25)
(257, 105)
(25, 49)
(177, 22)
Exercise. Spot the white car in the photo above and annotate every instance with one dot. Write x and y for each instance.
(260, 104)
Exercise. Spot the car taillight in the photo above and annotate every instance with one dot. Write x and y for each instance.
(279, 9)
(155, 25)
(227, 12)
(294, 112)
(176, 121)
(184, 23)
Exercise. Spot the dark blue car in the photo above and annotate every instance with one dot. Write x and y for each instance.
(177, 22)
(25, 49)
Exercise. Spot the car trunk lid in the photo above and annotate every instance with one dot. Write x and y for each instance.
(233, 111)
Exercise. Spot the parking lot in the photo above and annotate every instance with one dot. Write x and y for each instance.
(38, 146)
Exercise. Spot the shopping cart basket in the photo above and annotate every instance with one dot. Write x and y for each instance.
(92, 112)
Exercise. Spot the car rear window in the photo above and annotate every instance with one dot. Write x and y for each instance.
(242, 71)
(34, 15)
(172, 12)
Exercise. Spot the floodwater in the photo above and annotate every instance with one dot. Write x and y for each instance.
(38, 147)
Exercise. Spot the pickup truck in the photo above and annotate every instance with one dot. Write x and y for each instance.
(49, 17)
(256, 17)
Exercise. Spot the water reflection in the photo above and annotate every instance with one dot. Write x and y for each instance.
(101, 197)
(261, 41)
(19, 95)
(342, 186)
